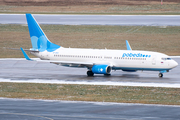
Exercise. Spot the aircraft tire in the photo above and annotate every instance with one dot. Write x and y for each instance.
(90, 73)
(107, 74)
(160, 75)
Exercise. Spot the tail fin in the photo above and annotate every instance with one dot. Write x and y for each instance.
(38, 39)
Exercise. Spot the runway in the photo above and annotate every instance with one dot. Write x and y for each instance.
(20, 70)
(128, 20)
(20, 109)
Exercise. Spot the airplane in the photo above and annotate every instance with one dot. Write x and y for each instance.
(97, 61)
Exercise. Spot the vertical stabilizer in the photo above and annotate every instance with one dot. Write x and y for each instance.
(38, 39)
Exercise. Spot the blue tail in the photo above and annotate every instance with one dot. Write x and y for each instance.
(38, 39)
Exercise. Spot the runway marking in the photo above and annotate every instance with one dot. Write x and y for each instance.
(28, 115)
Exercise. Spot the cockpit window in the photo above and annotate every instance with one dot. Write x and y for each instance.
(166, 58)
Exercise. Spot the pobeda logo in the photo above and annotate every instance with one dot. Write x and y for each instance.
(134, 55)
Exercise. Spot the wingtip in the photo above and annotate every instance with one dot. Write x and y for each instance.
(128, 45)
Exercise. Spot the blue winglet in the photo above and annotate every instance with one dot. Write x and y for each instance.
(128, 46)
(25, 55)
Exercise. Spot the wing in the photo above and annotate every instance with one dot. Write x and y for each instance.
(128, 45)
(62, 63)
(73, 64)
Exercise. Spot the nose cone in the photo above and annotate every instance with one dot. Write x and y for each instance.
(174, 64)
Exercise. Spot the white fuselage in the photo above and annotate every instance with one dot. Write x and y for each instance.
(98, 61)
(117, 59)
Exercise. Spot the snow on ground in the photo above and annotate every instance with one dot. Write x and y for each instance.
(137, 84)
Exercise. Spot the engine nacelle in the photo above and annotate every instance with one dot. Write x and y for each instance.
(101, 69)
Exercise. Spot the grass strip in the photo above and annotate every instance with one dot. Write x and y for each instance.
(119, 94)
(163, 39)
(167, 8)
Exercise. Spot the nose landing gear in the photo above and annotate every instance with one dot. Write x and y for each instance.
(160, 75)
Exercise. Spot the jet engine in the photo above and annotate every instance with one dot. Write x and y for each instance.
(101, 69)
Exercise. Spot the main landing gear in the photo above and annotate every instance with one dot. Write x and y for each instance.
(107, 74)
(160, 75)
(90, 73)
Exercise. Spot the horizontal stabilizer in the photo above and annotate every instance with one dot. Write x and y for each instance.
(23, 49)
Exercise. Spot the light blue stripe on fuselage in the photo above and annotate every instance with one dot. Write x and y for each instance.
(148, 69)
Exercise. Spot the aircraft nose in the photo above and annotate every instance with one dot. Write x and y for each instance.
(174, 64)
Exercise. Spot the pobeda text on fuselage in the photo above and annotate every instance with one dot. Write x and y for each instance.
(134, 55)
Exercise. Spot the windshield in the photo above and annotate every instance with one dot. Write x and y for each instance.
(166, 58)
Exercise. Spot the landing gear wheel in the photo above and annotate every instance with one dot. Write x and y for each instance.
(160, 75)
(90, 73)
(107, 74)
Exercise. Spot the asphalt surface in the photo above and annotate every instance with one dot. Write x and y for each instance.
(132, 20)
(19, 109)
(19, 70)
